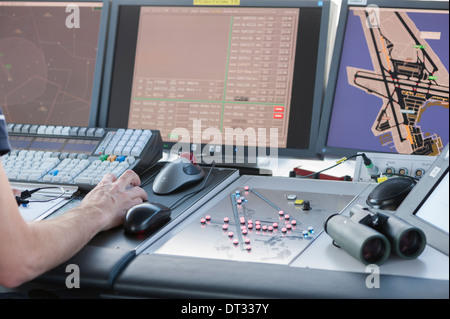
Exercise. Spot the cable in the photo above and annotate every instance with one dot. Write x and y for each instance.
(22, 199)
(189, 195)
(148, 179)
(339, 162)
(375, 177)
(372, 169)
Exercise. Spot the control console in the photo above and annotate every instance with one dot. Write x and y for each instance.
(259, 219)
(393, 165)
(77, 155)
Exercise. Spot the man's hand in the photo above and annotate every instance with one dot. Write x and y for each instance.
(113, 197)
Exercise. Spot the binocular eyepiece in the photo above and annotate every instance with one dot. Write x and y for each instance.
(371, 237)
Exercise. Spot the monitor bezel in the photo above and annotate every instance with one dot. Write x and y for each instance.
(99, 59)
(320, 69)
(327, 108)
(436, 237)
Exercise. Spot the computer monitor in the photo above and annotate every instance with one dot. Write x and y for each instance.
(218, 75)
(388, 89)
(51, 59)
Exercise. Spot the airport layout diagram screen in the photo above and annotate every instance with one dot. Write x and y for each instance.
(392, 91)
(47, 61)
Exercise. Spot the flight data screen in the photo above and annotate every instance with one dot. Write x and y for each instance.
(213, 69)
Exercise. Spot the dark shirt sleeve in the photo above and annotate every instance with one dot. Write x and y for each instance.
(4, 142)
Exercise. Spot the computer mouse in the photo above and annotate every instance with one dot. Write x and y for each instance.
(177, 175)
(145, 217)
(390, 194)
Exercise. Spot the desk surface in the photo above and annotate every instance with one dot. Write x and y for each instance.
(153, 266)
(282, 166)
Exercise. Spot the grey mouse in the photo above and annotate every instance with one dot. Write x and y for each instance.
(177, 175)
(145, 217)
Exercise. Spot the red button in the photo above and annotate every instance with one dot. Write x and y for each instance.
(278, 116)
(278, 109)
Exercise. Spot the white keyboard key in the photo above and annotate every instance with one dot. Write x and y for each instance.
(66, 179)
(96, 163)
(117, 150)
(147, 133)
(109, 150)
(144, 139)
(96, 180)
(85, 162)
(58, 130)
(130, 159)
(126, 151)
(65, 130)
(118, 171)
(41, 129)
(22, 177)
(133, 139)
(83, 180)
(122, 143)
(99, 132)
(49, 130)
(114, 164)
(11, 175)
(136, 151)
(90, 131)
(34, 177)
(30, 154)
(139, 144)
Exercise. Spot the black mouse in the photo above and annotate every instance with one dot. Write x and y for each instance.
(390, 194)
(176, 175)
(145, 217)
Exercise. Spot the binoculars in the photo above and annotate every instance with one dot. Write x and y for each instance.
(371, 237)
